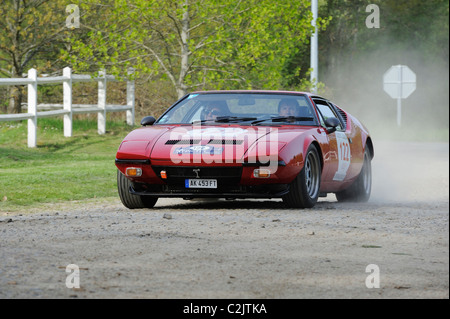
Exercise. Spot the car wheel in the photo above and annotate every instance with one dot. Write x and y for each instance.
(304, 190)
(360, 190)
(129, 200)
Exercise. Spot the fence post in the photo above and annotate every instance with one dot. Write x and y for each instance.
(67, 89)
(130, 97)
(101, 122)
(32, 108)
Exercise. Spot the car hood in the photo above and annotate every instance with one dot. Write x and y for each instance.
(206, 144)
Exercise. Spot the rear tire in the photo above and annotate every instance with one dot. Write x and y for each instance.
(129, 200)
(360, 190)
(304, 189)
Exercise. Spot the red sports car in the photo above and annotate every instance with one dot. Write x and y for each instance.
(247, 144)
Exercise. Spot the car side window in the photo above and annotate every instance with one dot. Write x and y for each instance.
(325, 111)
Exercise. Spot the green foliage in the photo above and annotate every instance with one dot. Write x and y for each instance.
(195, 44)
(30, 32)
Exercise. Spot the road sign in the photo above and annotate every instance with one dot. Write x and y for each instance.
(399, 82)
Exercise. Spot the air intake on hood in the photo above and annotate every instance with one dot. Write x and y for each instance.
(226, 142)
(184, 142)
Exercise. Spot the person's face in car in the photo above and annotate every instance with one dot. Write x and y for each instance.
(212, 113)
(288, 110)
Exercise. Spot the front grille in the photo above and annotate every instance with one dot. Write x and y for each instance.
(176, 175)
(236, 190)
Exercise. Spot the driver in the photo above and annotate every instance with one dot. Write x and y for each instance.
(213, 110)
(288, 107)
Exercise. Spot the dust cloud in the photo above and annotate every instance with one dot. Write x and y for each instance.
(411, 172)
(411, 161)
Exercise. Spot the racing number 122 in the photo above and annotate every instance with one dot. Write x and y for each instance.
(344, 151)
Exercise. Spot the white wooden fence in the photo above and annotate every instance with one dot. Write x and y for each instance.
(67, 109)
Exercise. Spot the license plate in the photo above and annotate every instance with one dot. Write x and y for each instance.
(201, 183)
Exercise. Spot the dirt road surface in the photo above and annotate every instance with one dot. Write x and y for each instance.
(244, 248)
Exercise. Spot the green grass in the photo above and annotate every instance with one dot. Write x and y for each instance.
(60, 168)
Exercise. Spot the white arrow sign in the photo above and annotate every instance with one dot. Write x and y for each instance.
(399, 82)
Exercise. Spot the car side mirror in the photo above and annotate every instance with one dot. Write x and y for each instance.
(331, 123)
(148, 120)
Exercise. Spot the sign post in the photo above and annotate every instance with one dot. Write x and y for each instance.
(314, 47)
(399, 82)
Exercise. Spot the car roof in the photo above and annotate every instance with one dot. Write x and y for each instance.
(250, 91)
(309, 94)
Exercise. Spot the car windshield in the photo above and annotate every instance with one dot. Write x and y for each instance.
(244, 108)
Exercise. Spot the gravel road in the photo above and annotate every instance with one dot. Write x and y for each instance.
(244, 248)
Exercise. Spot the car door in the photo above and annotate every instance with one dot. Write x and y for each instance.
(337, 157)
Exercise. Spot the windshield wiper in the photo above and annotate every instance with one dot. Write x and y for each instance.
(285, 119)
(201, 121)
(226, 119)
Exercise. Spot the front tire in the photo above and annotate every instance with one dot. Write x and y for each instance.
(360, 190)
(129, 200)
(304, 189)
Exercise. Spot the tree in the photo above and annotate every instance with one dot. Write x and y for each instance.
(29, 31)
(194, 43)
(406, 26)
